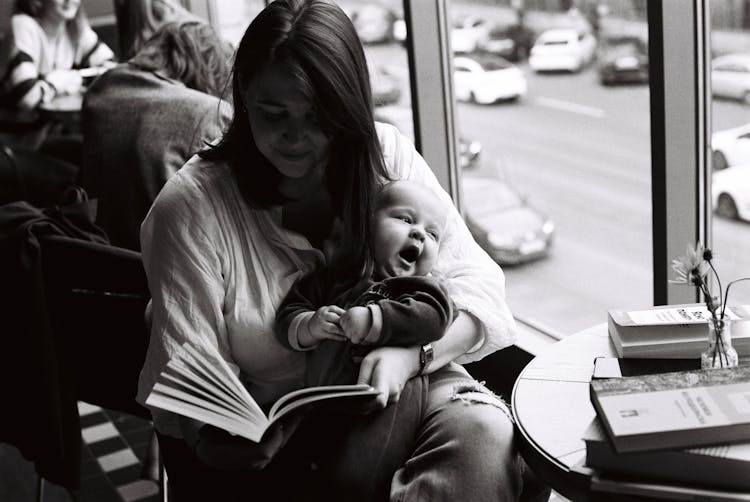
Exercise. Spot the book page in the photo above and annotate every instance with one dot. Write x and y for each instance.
(676, 315)
(196, 412)
(350, 398)
(310, 391)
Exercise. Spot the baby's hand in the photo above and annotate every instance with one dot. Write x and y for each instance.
(356, 323)
(324, 324)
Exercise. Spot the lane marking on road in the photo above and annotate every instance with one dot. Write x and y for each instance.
(570, 107)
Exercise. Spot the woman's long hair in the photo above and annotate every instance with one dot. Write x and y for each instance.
(75, 27)
(191, 52)
(138, 20)
(317, 43)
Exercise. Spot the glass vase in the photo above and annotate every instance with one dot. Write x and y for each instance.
(719, 353)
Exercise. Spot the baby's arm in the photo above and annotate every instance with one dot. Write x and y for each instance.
(417, 311)
(301, 321)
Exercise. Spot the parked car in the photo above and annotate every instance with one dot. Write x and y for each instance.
(468, 33)
(503, 222)
(730, 192)
(486, 78)
(373, 22)
(400, 116)
(730, 77)
(386, 88)
(622, 58)
(513, 42)
(562, 49)
(468, 152)
(730, 147)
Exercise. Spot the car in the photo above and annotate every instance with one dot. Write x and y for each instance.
(622, 58)
(401, 117)
(730, 77)
(468, 33)
(503, 222)
(730, 192)
(567, 49)
(386, 88)
(486, 79)
(730, 147)
(513, 42)
(373, 22)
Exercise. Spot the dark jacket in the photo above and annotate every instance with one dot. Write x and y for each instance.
(415, 311)
(40, 415)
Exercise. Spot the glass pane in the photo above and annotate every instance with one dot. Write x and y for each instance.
(730, 143)
(564, 133)
(233, 17)
(381, 28)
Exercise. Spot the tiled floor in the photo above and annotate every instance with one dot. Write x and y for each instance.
(115, 446)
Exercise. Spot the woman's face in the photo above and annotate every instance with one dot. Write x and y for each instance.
(61, 10)
(284, 124)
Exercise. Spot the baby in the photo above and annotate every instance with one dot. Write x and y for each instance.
(400, 304)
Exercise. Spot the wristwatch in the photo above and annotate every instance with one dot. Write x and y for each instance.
(426, 354)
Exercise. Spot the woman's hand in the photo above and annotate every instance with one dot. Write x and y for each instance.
(65, 81)
(219, 449)
(388, 369)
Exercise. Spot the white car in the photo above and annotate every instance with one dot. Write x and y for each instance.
(485, 79)
(562, 49)
(730, 77)
(730, 192)
(469, 33)
(730, 147)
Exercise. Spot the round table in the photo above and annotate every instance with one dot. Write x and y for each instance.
(552, 409)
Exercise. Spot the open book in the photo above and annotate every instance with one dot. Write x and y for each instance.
(199, 384)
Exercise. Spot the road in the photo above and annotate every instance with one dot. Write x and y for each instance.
(581, 152)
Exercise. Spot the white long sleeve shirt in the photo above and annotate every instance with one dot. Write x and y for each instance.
(218, 269)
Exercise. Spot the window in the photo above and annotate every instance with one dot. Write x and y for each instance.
(730, 142)
(573, 150)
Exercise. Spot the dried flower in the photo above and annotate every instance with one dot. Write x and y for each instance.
(693, 269)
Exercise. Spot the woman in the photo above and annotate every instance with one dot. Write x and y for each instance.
(144, 119)
(236, 226)
(52, 38)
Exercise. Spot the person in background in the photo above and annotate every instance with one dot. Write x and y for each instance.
(396, 302)
(234, 228)
(52, 38)
(6, 36)
(138, 20)
(144, 118)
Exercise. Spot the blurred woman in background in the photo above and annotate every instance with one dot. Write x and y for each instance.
(52, 39)
(145, 118)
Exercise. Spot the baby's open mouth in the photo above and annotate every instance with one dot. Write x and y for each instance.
(410, 253)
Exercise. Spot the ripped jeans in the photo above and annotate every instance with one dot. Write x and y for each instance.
(451, 440)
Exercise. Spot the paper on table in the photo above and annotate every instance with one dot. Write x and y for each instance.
(677, 315)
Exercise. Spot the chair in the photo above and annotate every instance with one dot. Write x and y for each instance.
(97, 295)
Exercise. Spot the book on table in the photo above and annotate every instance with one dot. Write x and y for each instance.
(722, 466)
(199, 384)
(672, 331)
(679, 409)
(652, 490)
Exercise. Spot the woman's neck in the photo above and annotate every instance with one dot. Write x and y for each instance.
(52, 27)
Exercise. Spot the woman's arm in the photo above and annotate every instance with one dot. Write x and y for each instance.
(476, 283)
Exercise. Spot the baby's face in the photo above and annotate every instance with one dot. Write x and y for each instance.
(407, 228)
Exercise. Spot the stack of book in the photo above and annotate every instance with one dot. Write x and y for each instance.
(673, 331)
(683, 435)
